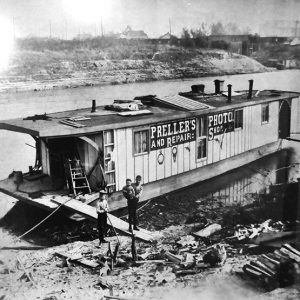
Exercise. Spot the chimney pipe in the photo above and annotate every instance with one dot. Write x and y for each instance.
(229, 93)
(217, 86)
(250, 89)
(93, 106)
(198, 88)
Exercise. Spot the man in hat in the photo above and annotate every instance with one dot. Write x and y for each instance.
(138, 190)
(129, 194)
(102, 209)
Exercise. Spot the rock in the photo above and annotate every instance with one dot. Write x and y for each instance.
(212, 257)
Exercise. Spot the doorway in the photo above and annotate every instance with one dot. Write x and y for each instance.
(284, 120)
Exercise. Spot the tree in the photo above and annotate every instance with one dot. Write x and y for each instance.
(186, 38)
(217, 29)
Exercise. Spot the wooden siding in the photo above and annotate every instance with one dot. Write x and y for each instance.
(45, 158)
(295, 116)
(253, 135)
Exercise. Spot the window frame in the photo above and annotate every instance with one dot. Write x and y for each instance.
(200, 137)
(263, 106)
(134, 131)
(235, 119)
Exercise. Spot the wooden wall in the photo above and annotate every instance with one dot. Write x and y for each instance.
(45, 158)
(253, 134)
(295, 117)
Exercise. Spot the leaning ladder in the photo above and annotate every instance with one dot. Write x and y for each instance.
(78, 177)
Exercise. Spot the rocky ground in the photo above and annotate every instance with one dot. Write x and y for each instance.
(174, 267)
(45, 69)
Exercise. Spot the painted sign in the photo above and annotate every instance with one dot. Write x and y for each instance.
(172, 133)
(220, 123)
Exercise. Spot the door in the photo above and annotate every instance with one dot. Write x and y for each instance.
(284, 120)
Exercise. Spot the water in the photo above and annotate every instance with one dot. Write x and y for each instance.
(16, 155)
(232, 187)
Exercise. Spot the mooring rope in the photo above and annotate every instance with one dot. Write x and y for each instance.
(41, 222)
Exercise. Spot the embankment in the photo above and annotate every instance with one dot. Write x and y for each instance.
(40, 70)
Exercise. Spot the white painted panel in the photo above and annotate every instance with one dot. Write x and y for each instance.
(138, 166)
(295, 116)
(209, 152)
(122, 156)
(193, 155)
(186, 156)
(236, 141)
(216, 149)
(232, 136)
(168, 162)
(174, 162)
(152, 166)
(223, 146)
(160, 167)
(180, 158)
(228, 146)
(146, 169)
(265, 133)
(45, 158)
(200, 163)
(129, 154)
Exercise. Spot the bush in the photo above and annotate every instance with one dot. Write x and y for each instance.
(220, 45)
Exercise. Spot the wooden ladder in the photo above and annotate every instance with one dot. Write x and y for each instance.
(78, 177)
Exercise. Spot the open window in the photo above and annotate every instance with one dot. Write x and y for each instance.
(202, 138)
(264, 113)
(141, 141)
(238, 119)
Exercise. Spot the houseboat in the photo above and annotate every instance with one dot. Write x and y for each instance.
(171, 141)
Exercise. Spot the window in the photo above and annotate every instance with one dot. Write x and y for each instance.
(238, 118)
(265, 113)
(202, 137)
(201, 147)
(141, 141)
(202, 126)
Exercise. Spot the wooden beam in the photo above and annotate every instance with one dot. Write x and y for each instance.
(90, 212)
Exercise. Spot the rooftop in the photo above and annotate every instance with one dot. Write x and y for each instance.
(152, 109)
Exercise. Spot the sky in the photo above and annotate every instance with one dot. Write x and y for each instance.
(68, 18)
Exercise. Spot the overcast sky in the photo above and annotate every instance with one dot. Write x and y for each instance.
(67, 18)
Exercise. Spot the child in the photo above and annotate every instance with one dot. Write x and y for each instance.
(102, 209)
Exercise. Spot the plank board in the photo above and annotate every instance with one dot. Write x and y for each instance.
(90, 212)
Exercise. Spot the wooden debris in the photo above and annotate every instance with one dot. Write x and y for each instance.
(80, 260)
(208, 231)
(174, 258)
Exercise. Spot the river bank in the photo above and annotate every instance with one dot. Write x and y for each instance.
(46, 70)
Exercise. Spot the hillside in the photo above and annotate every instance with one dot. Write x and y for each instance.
(65, 68)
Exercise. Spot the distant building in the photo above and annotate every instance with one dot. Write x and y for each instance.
(295, 42)
(130, 34)
(166, 36)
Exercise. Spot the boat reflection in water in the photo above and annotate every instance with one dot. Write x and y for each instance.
(239, 185)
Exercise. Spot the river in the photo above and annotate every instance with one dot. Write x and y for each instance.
(231, 187)
(16, 155)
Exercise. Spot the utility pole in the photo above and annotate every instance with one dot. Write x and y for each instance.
(170, 27)
(50, 30)
(66, 28)
(14, 28)
(102, 28)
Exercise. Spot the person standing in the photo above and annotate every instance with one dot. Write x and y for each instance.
(129, 194)
(102, 209)
(138, 190)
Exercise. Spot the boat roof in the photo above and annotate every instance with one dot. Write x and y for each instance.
(82, 122)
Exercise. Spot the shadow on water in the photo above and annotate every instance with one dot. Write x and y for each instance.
(226, 193)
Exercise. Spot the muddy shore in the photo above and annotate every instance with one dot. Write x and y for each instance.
(42, 274)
